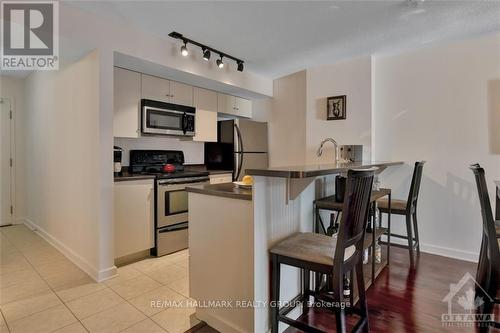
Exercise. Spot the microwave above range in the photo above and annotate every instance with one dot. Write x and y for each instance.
(160, 118)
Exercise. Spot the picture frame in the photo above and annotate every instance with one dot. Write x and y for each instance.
(336, 107)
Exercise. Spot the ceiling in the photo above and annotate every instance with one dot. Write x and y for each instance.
(280, 37)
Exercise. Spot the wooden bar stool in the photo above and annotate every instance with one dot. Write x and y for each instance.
(330, 203)
(335, 256)
(488, 268)
(408, 209)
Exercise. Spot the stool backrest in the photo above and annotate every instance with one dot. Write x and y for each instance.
(489, 232)
(411, 204)
(354, 213)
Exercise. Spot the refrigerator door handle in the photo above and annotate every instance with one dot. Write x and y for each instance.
(239, 154)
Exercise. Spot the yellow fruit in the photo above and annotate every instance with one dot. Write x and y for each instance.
(247, 180)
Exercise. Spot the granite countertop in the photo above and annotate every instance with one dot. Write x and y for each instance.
(315, 170)
(227, 190)
(128, 177)
(202, 167)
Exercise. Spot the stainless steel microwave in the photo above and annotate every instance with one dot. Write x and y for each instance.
(166, 118)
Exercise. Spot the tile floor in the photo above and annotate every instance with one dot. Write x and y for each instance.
(42, 291)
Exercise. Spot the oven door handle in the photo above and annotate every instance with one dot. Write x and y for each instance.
(184, 122)
(175, 227)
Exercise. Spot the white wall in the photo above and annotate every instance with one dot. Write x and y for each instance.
(68, 198)
(351, 78)
(193, 151)
(81, 31)
(13, 89)
(287, 124)
(438, 104)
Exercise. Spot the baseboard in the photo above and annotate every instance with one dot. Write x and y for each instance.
(98, 275)
(442, 251)
(216, 322)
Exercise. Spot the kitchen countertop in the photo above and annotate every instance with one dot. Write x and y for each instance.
(315, 170)
(202, 167)
(227, 190)
(129, 177)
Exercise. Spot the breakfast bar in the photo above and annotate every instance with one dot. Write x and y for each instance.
(230, 236)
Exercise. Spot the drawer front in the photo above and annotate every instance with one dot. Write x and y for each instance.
(171, 241)
(220, 179)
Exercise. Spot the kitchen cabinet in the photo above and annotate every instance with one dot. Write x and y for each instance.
(235, 106)
(181, 93)
(205, 102)
(155, 88)
(133, 216)
(221, 178)
(158, 89)
(127, 99)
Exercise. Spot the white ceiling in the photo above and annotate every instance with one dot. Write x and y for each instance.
(280, 37)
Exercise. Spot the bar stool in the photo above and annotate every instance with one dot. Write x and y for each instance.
(488, 268)
(330, 203)
(408, 209)
(323, 254)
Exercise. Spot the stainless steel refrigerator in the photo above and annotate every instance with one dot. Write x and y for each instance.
(241, 144)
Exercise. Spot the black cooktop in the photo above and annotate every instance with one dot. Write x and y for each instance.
(177, 174)
(151, 162)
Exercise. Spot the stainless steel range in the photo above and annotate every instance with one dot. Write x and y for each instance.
(171, 200)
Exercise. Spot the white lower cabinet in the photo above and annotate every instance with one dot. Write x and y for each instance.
(133, 216)
(221, 178)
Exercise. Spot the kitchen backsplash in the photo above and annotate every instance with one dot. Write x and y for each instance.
(193, 151)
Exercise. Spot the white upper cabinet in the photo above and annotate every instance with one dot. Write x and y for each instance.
(181, 93)
(205, 102)
(235, 106)
(158, 89)
(127, 100)
(243, 107)
(155, 88)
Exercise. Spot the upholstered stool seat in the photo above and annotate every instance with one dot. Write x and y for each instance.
(311, 247)
(397, 206)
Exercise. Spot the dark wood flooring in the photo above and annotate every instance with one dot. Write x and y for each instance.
(405, 299)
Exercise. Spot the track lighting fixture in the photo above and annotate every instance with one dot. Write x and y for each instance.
(184, 50)
(206, 54)
(207, 51)
(219, 62)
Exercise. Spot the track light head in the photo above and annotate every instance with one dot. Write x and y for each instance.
(219, 62)
(184, 50)
(240, 66)
(206, 54)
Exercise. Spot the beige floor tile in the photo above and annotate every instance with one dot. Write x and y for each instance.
(45, 321)
(60, 273)
(13, 261)
(145, 326)
(3, 325)
(114, 320)
(181, 286)
(43, 255)
(124, 273)
(23, 289)
(78, 288)
(73, 328)
(91, 304)
(184, 263)
(176, 320)
(151, 264)
(168, 274)
(19, 309)
(155, 300)
(135, 287)
(12, 278)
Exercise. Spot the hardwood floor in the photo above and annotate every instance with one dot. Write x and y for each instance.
(404, 299)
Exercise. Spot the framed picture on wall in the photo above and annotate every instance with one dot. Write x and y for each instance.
(336, 107)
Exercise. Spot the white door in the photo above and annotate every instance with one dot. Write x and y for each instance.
(155, 88)
(181, 93)
(5, 167)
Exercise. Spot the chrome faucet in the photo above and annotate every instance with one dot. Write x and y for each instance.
(337, 151)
